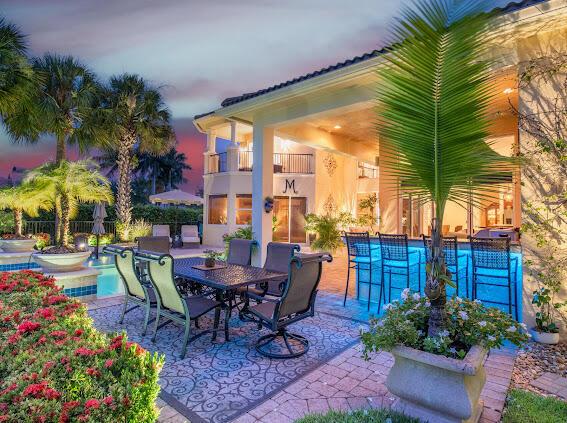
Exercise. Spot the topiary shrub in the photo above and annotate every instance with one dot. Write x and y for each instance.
(56, 367)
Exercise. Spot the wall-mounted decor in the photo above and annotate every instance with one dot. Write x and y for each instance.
(268, 204)
(330, 164)
(330, 206)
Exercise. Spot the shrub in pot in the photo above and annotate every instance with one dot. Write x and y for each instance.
(546, 330)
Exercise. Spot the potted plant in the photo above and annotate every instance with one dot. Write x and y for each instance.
(433, 96)
(546, 330)
(211, 257)
(27, 198)
(326, 228)
(68, 183)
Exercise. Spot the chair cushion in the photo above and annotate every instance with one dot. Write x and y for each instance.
(199, 305)
(264, 310)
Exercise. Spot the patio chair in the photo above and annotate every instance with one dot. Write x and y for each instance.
(190, 235)
(278, 255)
(172, 305)
(136, 291)
(155, 244)
(296, 303)
(456, 262)
(362, 256)
(398, 260)
(161, 230)
(491, 259)
(240, 251)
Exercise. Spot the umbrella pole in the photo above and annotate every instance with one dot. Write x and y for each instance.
(97, 238)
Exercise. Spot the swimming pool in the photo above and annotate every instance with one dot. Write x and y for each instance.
(108, 282)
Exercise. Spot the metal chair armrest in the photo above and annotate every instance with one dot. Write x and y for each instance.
(262, 298)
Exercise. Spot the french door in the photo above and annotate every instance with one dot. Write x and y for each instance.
(289, 219)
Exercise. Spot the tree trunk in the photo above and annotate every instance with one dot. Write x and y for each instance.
(124, 191)
(61, 152)
(435, 287)
(154, 177)
(18, 221)
(64, 221)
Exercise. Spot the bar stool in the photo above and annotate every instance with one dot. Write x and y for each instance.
(362, 255)
(453, 259)
(491, 259)
(398, 260)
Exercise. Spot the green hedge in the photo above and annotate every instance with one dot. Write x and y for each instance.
(55, 367)
(149, 213)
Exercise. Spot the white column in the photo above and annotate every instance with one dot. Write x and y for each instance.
(211, 147)
(262, 187)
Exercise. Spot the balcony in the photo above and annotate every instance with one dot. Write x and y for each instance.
(367, 171)
(217, 163)
(283, 163)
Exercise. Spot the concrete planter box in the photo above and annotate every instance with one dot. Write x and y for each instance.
(436, 388)
(17, 245)
(545, 337)
(58, 263)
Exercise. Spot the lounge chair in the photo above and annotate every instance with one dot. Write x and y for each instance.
(172, 305)
(190, 235)
(296, 303)
(155, 244)
(161, 230)
(136, 291)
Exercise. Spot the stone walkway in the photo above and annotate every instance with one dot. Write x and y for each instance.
(552, 383)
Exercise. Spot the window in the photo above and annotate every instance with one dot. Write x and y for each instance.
(217, 209)
(243, 209)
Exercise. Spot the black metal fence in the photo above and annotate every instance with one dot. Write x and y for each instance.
(293, 163)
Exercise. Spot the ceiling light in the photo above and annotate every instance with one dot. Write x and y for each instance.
(508, 90)
(337, 126)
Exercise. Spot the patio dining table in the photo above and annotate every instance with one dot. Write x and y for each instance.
(224, 280)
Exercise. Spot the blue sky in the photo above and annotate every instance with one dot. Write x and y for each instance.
(200, 52)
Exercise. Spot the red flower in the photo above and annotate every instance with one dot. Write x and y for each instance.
(55, 299)
(51, 393)
(108, 363)
(108, 400)
(93, 372)
(58, 334)
(28, 326)
(92, 403)
(85, 352)
(35, 390)
(79, 332)
(47, 313)
(71, 404)
(12, 339)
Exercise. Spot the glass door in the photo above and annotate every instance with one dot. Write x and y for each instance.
(411, 217)
(289, 219)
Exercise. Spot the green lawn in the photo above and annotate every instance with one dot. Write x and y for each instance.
(527, 407)
(362, 416)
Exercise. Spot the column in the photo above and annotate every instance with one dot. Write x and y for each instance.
(232, 150)
(388, 199)
(211, 147)
(262, 187)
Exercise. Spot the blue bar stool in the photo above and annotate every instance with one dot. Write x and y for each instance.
(398, 260)
(457, 263)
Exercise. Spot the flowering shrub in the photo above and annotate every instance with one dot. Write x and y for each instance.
(55, 367)
(43, 239)
(103, 239)
(469, 323)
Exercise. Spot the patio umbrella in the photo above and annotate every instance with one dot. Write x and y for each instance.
(176, 197)
(99, 214)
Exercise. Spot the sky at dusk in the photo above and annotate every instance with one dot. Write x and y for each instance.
(199, 51)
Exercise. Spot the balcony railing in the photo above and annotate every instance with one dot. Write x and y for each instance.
(367, 171)
(293, 163)
(245, 161)
(217, 163)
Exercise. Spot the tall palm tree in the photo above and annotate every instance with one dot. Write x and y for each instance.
(17, 78)
(167, 169)
(433, 99)
(28, 198)
(134, 118)
(68, 184)
(66, 95)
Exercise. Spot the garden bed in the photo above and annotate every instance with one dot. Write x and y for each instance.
(55, 367)
(361, 416)
(527, 407)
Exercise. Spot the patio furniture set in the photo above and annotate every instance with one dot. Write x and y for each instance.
(489, 263)
(183, 290)
(190, 235)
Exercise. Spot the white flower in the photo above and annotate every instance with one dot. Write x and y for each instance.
(482, 324)
(463, 315)
(405, 294)
(416, 296)
(523, 325)
(458, 299)
(408, 312)
(453, 350)
(419, 332)
(427, 304)
(380, 323)
(388, 306)
(444, 333)
(491, 338)
(478, 301)
(511, 329)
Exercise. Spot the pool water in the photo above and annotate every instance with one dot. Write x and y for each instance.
(108, 282)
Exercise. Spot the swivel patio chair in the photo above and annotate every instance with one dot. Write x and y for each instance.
(398, 260)
(363, 256)
(278, 255)
(456, 261)
(136, 291)
(491, 259)
(172, 305)
(296, 303)
(240, 251)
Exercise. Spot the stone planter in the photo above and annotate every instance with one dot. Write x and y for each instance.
(17, 245)
(436, 388)
(59, 263)
(545, 337)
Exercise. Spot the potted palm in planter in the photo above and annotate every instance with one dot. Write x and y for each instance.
(68, 183)
(27, 198)
(433, 97)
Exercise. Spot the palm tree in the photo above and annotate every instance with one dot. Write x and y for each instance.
(134, 118)
(28, 198)
(167, 169)
(17, 78)
(71, 183)
(433, 99)
(66, 95)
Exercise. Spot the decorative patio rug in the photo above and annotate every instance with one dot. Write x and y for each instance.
(217, 382)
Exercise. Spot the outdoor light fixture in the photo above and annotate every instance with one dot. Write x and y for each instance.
(337, 126)
(508, 90)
